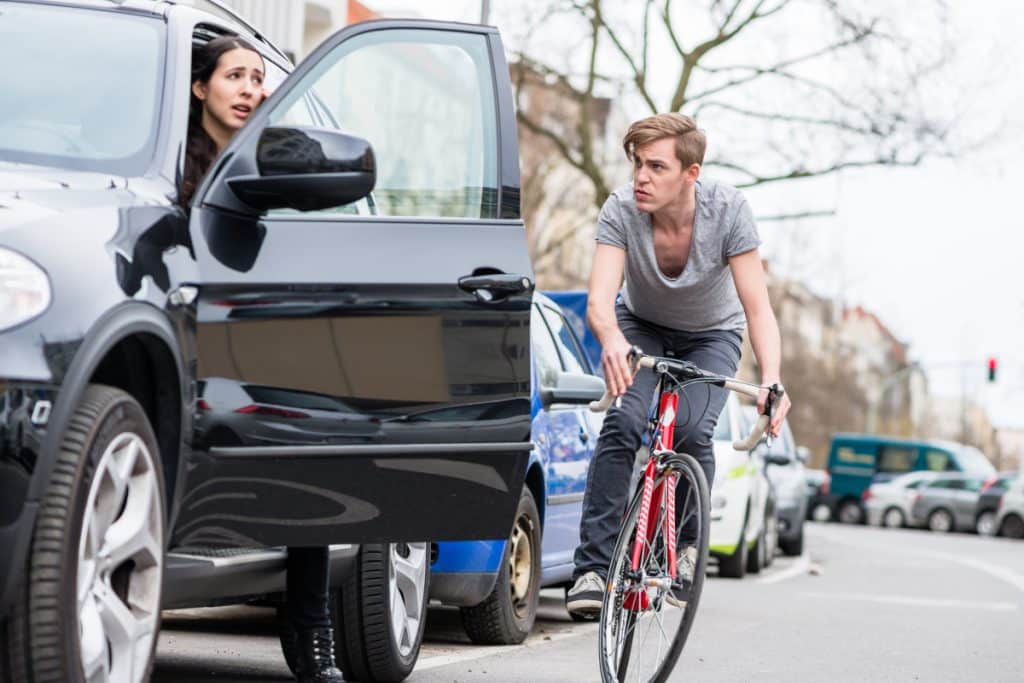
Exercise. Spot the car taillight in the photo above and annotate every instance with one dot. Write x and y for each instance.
(867, 495)
(826, 484)
(989, 483)
(255, 409)
(917, 498)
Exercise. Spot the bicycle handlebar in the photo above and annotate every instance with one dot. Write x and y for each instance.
(638, 359)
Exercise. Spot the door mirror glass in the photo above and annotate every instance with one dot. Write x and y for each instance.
(307, 169)
(574, 388)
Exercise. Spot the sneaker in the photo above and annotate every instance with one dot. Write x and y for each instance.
(686, 567)
(584, 598)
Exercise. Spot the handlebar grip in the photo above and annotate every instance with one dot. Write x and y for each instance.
(636, 359)
(755, 435)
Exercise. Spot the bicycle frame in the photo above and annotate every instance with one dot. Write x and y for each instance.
(668, 404)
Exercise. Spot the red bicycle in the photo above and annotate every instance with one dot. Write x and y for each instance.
(651, 597)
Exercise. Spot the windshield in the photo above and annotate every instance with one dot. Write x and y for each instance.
(973, 461)
(79, 88)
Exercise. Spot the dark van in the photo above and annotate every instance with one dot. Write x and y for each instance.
(857, 460)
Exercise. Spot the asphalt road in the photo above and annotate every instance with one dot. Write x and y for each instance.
(862, 605)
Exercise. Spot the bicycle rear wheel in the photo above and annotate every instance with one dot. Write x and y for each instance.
(642, 632)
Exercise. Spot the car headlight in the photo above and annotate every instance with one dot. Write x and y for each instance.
(24, 289)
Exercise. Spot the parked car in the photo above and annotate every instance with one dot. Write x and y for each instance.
(497, 583)
(888, 503)
(1010, 516)
(946, 503)
(856, 461)
(295, 361)
(744, 527)
(786, 474)
(818, 483)
(991, 495)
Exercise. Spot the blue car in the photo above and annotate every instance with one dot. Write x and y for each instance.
(497, 583)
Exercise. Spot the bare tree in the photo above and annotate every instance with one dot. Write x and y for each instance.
(794, 88)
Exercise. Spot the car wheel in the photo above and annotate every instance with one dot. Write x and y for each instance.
(1012, 527)
(506, 616)
(850, 512)
(89, 607)
(735, 566)
(794, 547)
(757, 557)
(986, 524)
(821, 513)
(893, 519)
(941, 521)
(771, 538)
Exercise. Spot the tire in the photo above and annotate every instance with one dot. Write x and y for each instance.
(369, 646)
(757, 558)
(821, 513)
(771, 538)
(793, 547)
(1012, 527)
(941, 521)
(735, 566)
(100, 533)
(985, 525)
(615, 651)
(893, 518)
(506, 616)
(850, 512)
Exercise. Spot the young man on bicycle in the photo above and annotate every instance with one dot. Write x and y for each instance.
(688, 250)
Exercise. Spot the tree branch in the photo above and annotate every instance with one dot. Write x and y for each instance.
(549, 134)
(821, 213)
(639, 72)
(800, 173)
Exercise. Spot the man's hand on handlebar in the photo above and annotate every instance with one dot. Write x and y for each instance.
(773, 404)
(615, 361)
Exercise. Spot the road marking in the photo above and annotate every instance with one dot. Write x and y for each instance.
(1001, 573)
(917, 602)
(800, 566)
(476, 652)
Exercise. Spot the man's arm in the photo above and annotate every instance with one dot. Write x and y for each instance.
(748, 274)
(605, 281)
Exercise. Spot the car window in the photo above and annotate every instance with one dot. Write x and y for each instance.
(938, 461)
(545, 353)
(569, 349)
(896, 458)
(388, 87)
(80, 88)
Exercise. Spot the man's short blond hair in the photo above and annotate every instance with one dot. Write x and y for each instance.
(690, 140)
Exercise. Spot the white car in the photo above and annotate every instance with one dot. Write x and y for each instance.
(1010, 518)
(744, 526)
(888, 503)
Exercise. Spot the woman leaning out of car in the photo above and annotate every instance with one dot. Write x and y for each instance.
(227, 86)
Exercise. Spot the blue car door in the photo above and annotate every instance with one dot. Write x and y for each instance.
(564, 434)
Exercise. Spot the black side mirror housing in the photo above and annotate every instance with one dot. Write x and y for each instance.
(777, 459)
(574, 388)
(307, 169)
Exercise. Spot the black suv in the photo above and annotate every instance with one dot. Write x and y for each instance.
(330, 348)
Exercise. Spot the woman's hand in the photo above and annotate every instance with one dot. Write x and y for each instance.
(779, 410)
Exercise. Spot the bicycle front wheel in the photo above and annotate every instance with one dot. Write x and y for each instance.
(646, 617)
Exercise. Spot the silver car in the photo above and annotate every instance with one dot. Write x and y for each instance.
(888, 503)
(947, 503)
(1010, 518)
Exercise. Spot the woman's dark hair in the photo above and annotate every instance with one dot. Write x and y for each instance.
(200, 149)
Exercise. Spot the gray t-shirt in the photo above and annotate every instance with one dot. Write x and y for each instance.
(704, 296)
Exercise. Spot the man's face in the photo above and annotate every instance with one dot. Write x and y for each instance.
(658, 176)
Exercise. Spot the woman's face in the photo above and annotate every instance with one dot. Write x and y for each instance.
(234, 90)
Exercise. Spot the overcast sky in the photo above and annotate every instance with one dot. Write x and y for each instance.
(936, 251)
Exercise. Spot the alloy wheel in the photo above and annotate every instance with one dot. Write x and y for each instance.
(407, 577)
(120, 563)
(520, 559)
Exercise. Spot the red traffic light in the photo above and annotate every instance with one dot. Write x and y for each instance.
(992, 365)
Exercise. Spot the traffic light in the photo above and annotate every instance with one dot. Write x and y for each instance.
(992, 365)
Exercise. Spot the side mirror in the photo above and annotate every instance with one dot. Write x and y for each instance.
(777, 459)
(574, 388)
(307, 169)
(803, 454)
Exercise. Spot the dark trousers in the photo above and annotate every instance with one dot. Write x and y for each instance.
(306, 586)
(604, 502)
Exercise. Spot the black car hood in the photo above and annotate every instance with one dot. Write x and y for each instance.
(32, 193)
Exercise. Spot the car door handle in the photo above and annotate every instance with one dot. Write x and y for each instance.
(494, 286)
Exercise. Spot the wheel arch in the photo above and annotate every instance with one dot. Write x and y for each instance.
(536, 484)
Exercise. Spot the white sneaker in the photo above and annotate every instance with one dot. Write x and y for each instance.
(686, 568)
(585, 597)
